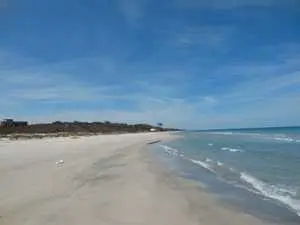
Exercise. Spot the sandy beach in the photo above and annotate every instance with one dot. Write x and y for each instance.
(108, 179)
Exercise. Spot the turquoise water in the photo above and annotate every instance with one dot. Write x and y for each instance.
(261, 163)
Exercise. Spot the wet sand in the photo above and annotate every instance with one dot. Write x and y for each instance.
(108, 179)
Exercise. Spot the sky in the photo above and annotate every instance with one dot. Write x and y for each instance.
(186, 63)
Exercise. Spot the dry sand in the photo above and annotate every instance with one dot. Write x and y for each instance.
(109, 179)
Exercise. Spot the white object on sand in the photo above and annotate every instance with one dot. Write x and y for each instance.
(60, 162)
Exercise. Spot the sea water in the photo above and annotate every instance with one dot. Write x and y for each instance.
(258, 169)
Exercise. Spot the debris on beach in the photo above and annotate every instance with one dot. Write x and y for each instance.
(60, 162)
(153, 142)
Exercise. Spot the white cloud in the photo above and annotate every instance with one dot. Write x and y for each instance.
(49, 84)
(265, 87)
(160, 94)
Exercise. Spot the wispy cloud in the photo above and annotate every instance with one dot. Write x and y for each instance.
(161, 97)
(189, 63)
(210, 100)
(209, 36)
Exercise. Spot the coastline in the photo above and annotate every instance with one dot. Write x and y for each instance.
(106, 179)
(224, 174)
(201, 206)
(30, 136)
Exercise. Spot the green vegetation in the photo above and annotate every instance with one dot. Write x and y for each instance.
(79, 128)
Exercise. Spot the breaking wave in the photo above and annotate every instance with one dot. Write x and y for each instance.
(281, 194)
(285, 195)
(202, 164)
(170, 150)
(287, 139)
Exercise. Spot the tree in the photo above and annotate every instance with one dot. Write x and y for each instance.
(159, 124)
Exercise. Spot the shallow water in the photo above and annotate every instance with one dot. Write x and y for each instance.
(257, 169)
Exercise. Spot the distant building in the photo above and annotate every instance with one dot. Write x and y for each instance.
(12, 123)
(152, 129)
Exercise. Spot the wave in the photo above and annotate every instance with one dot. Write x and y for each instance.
(284, 139)
(211, 165)
(174, 152)
(277, 137)
(210, 144)
(170, 150)
(202, 164)
(231, 175)
(283, 195)
(231, 149)
(238, 133)
(287, 139)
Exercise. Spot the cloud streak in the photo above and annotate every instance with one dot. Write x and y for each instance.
(211, 36)
(251, 102)
(199, 65)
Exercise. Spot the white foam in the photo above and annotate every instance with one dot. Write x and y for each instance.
(208, 160)
(210, 144)
(274, 192)
(287, 139)
(219, 163)
(231, 149)
(289, 190)
(170, 150)
(202, 164)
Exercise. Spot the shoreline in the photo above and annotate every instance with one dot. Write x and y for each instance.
(32, 136)
(106, 179)
(203, 206)
(224, 193)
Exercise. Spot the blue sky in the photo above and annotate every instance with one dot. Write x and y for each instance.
(186, 63)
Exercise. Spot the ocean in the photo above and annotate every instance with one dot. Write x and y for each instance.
(253, 170)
